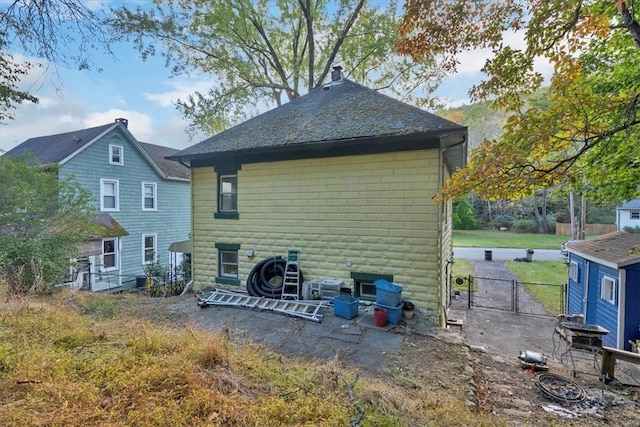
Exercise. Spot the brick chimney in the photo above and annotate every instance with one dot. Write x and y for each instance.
(336, 74)
(122, 121)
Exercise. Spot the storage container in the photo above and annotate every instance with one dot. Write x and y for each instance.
(394, 314)
(345, 306)
(387, 293)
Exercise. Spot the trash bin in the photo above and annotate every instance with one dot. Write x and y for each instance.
(488, 255)
(529, 255)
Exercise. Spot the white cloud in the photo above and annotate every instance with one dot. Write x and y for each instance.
(181, 88)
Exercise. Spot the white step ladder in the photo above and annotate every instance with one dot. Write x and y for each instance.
(308, 310)
(291, 280)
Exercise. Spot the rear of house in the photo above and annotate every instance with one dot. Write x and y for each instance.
(343, 174)
(142, 200)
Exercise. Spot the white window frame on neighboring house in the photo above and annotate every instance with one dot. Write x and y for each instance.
(115, 254)
(634, 214)
(116, 151)
(103, 194)
(149, 250)
(608, 289)
(154, 197)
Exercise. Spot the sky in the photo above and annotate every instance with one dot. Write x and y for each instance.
(144, 93)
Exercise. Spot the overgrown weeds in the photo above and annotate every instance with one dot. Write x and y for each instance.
(65, 361)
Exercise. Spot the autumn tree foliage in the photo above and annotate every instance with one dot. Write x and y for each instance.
(586, 131)
(260, 54)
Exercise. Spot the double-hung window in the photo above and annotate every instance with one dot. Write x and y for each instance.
(109, 254)
(116, 155)
(228, 201)
(149, 248)
(109, 195)
(227, 176)
(149, 196)
(228, 263)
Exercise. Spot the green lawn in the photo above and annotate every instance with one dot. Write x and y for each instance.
(545, 272)
(553, 274)
(505, 239)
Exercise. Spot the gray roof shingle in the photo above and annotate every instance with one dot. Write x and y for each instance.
(631, 204)
(56, 148)
(339, 111)
(617, 249)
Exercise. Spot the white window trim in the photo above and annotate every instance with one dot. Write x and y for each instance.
(116, 249)
(155, 196)
(222, 273)
(634, 214)
(573, 271)
(607, 282)
(121, 148)
(117, 194)
(155, 248)
(221, 193)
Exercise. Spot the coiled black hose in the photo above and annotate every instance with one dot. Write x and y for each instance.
(266, 277)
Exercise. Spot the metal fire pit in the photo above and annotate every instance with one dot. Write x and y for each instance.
(560, 388)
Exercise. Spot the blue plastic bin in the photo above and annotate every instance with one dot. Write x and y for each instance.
(394, 314)
(345, 306)
(387, 293)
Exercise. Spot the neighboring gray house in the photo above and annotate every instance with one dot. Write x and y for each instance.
(142, 200)
(628, 215)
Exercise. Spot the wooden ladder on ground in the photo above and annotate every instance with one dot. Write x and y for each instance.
(291, 280)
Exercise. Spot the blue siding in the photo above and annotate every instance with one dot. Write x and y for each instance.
(172, 220)
(606, 313)
(632, 305)
(575, 289)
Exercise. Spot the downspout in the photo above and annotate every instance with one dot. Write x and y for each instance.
(444, 264)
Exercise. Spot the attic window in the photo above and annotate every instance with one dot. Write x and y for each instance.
(116, 155)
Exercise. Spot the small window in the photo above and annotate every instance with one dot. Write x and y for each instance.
(634, 214)
(608, 289)
(109, 197)
(149, 248)
(228, 201)
(109, 254)
(229, 264)
(573, 271)
(149, 197)
(116, 155)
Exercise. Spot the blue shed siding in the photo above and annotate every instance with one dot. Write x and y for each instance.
(575, 291)
(170, 222)
(599, 311)
(632, 305)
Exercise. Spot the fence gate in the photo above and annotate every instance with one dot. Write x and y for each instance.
(492, 293)
(510, 295)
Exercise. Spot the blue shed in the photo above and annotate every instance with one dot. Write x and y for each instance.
(604, 285)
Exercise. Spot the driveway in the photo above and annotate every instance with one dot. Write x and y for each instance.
(503, 331)
(505, 254)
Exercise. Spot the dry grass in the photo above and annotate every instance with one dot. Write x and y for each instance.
(75, 359)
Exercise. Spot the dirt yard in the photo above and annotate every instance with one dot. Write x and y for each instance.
(499, 385)
(491, 382)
